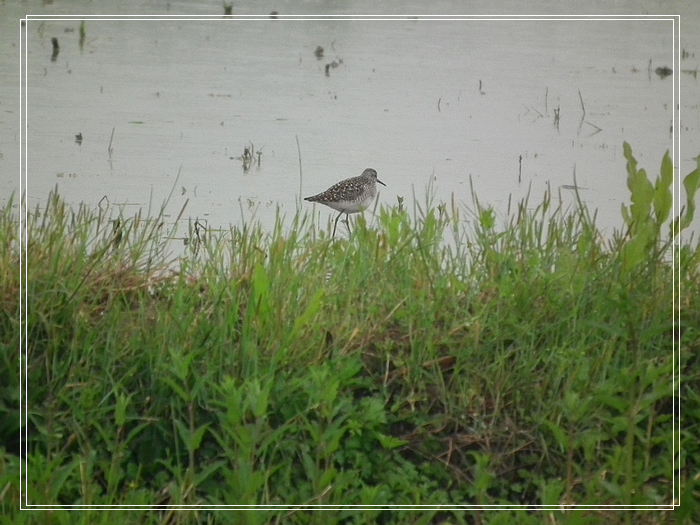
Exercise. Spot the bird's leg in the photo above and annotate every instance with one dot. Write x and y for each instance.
(335, 225)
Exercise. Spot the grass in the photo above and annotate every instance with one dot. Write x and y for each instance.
(430, 359)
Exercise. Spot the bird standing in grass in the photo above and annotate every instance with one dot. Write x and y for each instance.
(350, 195)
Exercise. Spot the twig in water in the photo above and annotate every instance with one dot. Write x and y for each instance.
(82, 34)
(520, 169)
(109, 148)
(301, 176)
(580, 124)
(598, 130)
(56, 49)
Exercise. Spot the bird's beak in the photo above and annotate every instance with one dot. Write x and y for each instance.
(380, 182)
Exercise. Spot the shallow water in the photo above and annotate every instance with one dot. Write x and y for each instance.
(439, 101)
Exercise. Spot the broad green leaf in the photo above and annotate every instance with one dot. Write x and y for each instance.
(196, 438)
(135, 432)
(120, 409)
(642, 196)
(691, 183)
(635, 249)
(192, 440)
(487, 218)
(558, 433)
(261, 290)
(208, 471)
(612, 488)
(183, 431)
(389, 442)
(309, 314)
(176, 388)
(59, 478)
(626, 215)
(258, 397)
(631, 161)
(552, 491)
(663, 200)
(642, 191)
(327, 477)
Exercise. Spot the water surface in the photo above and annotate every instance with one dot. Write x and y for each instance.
(510, 105)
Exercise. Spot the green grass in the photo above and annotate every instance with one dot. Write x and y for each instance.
(434, 358)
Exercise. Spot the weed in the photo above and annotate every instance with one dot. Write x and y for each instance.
(424, 360)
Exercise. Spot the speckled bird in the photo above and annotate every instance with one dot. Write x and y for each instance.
(350, 195)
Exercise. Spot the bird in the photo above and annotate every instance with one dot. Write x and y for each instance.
(351, 195)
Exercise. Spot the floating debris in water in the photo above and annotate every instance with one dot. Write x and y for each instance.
(333, 65)
(248, 158)
(81, 42)
(664, 72)
(56, 49)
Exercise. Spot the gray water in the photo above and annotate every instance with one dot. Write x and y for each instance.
(509, 104)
